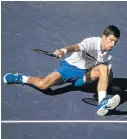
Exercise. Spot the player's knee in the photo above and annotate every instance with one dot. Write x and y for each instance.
(41, 85)
(103, 69)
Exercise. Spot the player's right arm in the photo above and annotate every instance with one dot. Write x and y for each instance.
(83, 46)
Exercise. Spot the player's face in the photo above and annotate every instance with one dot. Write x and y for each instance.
(109, 42)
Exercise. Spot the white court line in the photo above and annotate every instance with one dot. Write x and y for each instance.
(62, 121)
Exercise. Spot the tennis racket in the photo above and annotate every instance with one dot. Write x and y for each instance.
(45, 52)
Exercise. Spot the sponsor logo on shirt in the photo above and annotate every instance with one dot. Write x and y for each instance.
(90, 58)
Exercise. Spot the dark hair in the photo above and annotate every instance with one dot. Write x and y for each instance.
(111, 30)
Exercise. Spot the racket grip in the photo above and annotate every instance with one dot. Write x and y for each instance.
(54, 55)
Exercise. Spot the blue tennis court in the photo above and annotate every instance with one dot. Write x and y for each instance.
(64, 130)
(49, 26)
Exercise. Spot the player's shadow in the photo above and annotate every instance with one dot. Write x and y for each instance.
(118, 86)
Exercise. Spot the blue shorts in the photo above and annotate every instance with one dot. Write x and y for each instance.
(70, 73)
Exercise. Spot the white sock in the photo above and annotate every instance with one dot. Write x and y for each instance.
(101, 95)
(25, 79)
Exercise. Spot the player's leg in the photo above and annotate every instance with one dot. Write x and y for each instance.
(90, 76)
(41, 83)
(101, 72)
(46, 82)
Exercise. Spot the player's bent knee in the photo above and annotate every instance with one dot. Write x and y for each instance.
(41, 85)
(103, 68)
(49, 80)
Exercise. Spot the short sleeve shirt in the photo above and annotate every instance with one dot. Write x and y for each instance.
(90, 54)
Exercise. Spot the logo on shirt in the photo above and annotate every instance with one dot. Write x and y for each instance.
(90, 58)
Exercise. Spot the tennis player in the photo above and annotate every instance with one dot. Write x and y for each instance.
(91, 59)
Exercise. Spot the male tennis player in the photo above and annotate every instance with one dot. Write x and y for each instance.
(90, 60)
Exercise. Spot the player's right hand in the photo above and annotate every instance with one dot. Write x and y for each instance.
(59, 53)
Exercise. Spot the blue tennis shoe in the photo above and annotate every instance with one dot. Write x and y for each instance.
(108, 104)
(11, 78)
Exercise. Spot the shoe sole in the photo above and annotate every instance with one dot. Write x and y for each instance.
(4, 78)
(102, 111)
(113, 102)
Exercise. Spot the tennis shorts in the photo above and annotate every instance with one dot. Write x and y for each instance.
(71, 73)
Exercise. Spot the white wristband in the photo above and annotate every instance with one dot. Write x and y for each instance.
(64, 50)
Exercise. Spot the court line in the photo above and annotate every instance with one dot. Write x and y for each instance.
(63, 121)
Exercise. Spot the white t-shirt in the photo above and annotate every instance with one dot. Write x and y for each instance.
(90, 54)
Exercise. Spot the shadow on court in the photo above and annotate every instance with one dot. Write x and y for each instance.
(118, 86)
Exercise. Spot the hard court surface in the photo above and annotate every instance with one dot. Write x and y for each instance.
(50, 26)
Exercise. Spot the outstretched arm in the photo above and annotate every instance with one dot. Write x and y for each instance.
(85, 45)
